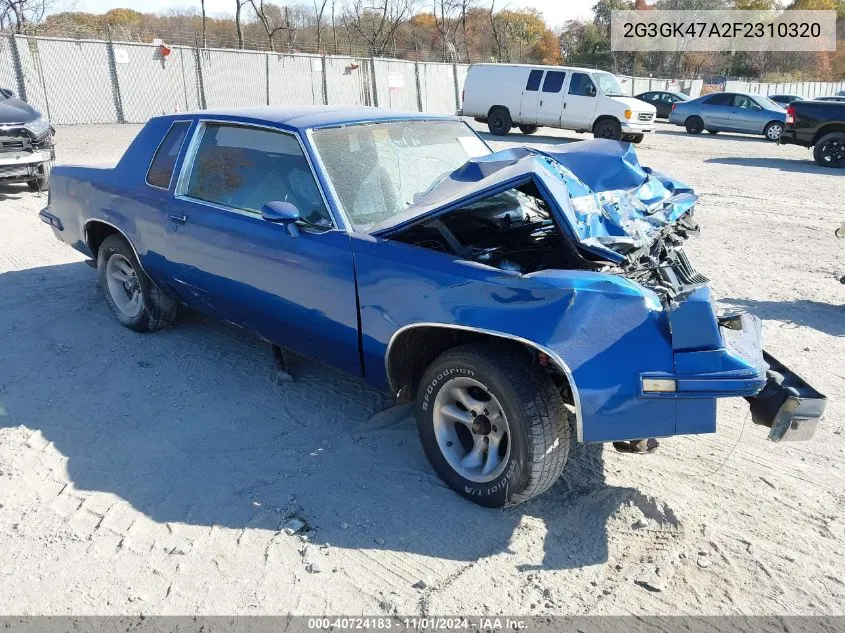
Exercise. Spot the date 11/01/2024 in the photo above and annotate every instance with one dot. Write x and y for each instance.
(482, 623)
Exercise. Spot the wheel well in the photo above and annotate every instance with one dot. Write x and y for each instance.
(96, 233)
(827, 129)
(693, 116)
(412, 350)
(606, 117)
(505, 108)
(779, 122)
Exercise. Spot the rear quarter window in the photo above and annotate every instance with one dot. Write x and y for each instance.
(164, 160)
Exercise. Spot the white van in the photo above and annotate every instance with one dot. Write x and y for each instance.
(580, 99)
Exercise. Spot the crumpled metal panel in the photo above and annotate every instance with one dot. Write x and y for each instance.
(606, 199)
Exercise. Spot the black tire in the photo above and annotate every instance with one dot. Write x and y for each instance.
(529, 129)
(714, 132)
(694, 125)
(537, 421)
(609, 129)
(637, 138)
(773, 130)
(157, 309)
(42, 181)
(829, 150)
(499, 121)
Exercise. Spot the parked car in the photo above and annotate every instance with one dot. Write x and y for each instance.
(497, 288)
(833, 98)
(662, 100)
(26, 143)
(730, 112)
(785, 100)
(525, 96)
(820, 125)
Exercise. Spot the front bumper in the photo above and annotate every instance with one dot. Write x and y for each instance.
(638, 127)
(779, 399)
(23, 165)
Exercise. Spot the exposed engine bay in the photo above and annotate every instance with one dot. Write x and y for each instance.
(515, 231)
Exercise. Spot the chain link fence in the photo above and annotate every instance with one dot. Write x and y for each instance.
(98, 81)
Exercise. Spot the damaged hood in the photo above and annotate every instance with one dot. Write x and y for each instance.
(598, 191)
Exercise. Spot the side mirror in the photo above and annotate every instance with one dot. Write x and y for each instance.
(283, 213)
(591, 91)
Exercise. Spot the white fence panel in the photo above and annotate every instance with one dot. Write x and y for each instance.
(8, 76)
(396, 84)
(151, 85)
(437, 88)
(234, 78)
(348, 81)
(295, 79)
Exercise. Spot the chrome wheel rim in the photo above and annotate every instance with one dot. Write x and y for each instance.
(774, 132)
(124, 286)
(471, 429)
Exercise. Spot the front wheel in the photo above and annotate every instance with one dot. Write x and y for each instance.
(773, 131)
(829, 151)
(609, 129)
(492, 424)
(134, 299)
(528, 129)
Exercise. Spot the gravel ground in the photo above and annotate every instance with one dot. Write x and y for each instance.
(151, 473)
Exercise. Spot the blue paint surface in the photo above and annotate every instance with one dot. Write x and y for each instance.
(341, 296)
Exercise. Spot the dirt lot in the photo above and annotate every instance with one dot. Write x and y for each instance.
(150, 474)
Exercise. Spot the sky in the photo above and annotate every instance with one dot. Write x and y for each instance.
(556, 12)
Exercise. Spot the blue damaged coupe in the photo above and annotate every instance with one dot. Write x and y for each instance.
(523, 298)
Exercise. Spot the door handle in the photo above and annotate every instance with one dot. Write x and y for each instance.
(541, 103)
(179, 217)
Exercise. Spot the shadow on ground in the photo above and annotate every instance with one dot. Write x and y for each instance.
(188, 425)
(783, 164)
(721, 136)
(15, 191)
(823, 317)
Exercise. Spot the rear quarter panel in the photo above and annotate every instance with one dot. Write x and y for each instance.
(486, 86)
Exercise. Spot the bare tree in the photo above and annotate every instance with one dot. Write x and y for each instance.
(271, 22)
(239, 4)
(17, 14)
(376, 21)
(447, 15)
(319, 10)
(204, 38)
(498, 36)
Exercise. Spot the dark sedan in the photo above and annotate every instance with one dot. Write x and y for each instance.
(785, 100)
(663, 100)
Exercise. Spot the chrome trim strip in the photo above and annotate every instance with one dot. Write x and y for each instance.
(155, 153)
(190, 155)
(551, 354)
(116, 228)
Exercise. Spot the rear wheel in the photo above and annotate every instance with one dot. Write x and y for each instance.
(528, 129)
(134, 299)
(829, 151)
(499, 121)
(609, 129)
(694, 125)
(773, 130)
(492, 424)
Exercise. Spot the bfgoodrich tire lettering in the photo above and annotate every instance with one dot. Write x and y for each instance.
(536, 419)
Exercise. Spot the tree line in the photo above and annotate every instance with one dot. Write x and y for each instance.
(464, 31)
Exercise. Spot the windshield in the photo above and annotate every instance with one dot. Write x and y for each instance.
(609, 84)
(380, 169)
(769, 104)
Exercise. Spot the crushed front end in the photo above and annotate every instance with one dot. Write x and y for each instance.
(26, 152)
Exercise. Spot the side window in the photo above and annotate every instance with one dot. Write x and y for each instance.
(581, 85)
(719, 99)
(554, 81)
(533, 84)
(245, 168)
(161, 169)
(746, 103)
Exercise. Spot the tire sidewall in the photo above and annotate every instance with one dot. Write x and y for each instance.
(506, 122)
(694, 125)
(769, 127)
(494, 493)
(109, 248)
(817, 150)
(616, 128)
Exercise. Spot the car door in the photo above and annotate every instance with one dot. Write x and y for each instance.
(716, 111)
(580, 102)
(295, 287)
(550, 107)
(746, 115)
(528, 107)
